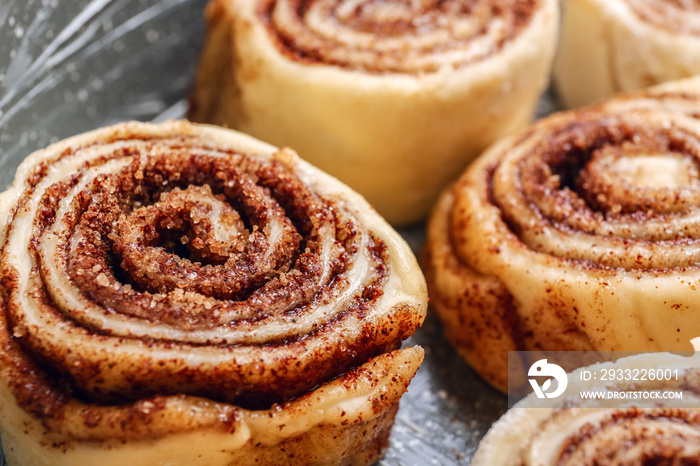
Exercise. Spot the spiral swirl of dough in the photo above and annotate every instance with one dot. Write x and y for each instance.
(144, 260)
(580, 233)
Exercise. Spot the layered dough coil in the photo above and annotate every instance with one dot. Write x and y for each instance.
(650, 421)
(579, 233)
(392, 97)
(180, 294)
(608, 46)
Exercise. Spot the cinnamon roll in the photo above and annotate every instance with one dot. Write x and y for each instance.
(608, 46)
(609, 430)
(392, 97)
(180, 294)
(579, 233)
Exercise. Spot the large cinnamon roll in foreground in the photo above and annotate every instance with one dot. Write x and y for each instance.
(178, 294)
(392, 97)
(608, 46)
(580, 233)
(632, 422)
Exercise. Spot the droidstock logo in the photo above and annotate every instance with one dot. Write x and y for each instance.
(542, 368)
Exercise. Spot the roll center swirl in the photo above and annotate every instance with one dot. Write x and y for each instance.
(191, 223)
(676, 16)
(619, 185)
(655, 170)
(396, 36)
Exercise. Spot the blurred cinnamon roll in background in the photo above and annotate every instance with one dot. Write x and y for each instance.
(179, 294)
(392, 97)
(579, 233)
(641, 421)
(609, 46)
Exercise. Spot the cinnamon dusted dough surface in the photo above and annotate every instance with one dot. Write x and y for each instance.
(559, 239)
(110, 371)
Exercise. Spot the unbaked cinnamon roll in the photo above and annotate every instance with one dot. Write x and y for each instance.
(631, 422)
(579, 233)
(392, 97)
(178, 294)
(608, 46)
